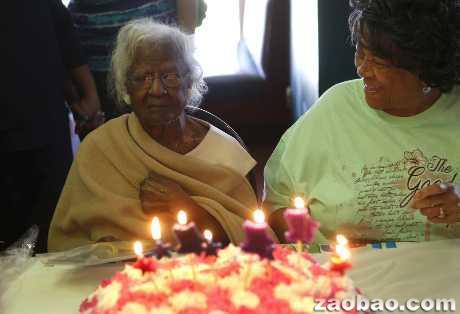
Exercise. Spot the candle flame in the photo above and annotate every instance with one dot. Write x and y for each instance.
(182, 217)
(208, 235)
(156, 229)
(138, 248)
(341, 240)
(343, 252)
(299, 202)
(259, 216)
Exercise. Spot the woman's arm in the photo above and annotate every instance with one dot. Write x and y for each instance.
(88, 103)
(190, 14)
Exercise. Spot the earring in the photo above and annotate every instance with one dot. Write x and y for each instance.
(165, 92)
(426, 90)
(127, 99)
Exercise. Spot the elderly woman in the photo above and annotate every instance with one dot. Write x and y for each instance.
(156, 160)
(378, 157)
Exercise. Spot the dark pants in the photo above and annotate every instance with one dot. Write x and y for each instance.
(31, 182)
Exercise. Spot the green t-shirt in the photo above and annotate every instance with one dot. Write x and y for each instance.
(362, 166)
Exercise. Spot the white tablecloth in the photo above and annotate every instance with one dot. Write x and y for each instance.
(413, 270)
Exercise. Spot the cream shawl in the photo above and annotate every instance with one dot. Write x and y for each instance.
(101, 195)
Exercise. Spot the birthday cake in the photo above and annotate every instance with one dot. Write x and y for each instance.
(231, 282)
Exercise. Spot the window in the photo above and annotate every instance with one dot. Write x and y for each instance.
(216, 40)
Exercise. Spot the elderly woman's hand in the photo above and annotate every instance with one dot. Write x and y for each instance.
(440, 203)
(158, 193)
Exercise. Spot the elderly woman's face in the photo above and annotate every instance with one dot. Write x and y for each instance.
(157, 85)
(387, 87)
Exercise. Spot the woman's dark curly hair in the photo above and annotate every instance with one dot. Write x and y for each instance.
(416, 35)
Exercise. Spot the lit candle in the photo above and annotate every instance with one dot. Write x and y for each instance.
(161, 249)
(301, 227)
(299, 202)
(144, 264)
(257, 240)
(340, 260)
(207, 235)
(187, 235)
(210, 247)
(155, 228)
(138, 250)
(341, 240)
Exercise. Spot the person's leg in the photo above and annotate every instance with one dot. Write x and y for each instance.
(31, 183)
(52, 166)
(17, 183)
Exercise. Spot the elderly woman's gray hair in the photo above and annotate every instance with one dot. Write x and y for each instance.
(138, 32)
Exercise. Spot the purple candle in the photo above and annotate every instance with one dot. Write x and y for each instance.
(257, 240)
(161, 249)
(209, 246)
(187, 235)
(301, 227)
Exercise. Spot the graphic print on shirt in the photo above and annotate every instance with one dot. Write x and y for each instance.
(385, 189)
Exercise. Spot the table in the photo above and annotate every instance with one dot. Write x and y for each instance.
(413, 270)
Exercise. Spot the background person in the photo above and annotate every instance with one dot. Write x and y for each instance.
(41, 52)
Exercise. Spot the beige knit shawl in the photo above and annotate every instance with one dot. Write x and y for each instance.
(101, 195)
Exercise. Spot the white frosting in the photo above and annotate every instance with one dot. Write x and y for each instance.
(162, 310)
(108, 296)
(245, 298)
(132, 272)
(185, 299)
(302, 304)
(134, 308)
(322, 286)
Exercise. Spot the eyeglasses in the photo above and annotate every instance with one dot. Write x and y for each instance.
(169, 80)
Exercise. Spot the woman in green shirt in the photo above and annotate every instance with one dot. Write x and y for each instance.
(378, 158)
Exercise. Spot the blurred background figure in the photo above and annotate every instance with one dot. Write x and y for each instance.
(98, 23)
(42, 52)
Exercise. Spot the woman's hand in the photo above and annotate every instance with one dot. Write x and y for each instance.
(440, 203)
(85, 124)
(82, 97)
(158, 193)
(162, 195)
